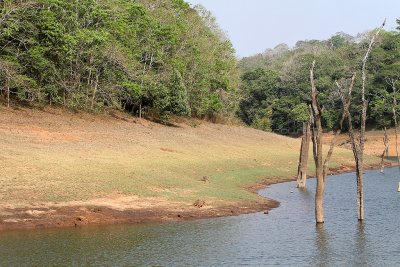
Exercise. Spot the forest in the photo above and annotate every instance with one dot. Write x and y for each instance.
(163, 57)
(144, 57)
(276, 84)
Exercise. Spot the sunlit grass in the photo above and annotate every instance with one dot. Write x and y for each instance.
(146, 161)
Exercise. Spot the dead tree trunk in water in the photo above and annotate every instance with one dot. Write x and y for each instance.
(304, 151)
(359, 152)
(321, 167)
(385, 151)
(359, 143)
(317, 150)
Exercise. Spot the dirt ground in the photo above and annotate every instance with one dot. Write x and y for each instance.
(60, 168)
(374, 143)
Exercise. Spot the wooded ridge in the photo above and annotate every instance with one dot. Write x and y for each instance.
(141, 56)
(162, 57)
(276, 83)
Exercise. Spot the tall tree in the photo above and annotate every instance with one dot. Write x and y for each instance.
(359, 143)
(321, 165)
(179, 97)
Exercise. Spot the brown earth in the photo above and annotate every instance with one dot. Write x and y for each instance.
(374, 142)
(64, 169)
(100, 212)
(78, 216)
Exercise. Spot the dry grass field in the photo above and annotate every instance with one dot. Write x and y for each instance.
(374, 144)
(60, 158)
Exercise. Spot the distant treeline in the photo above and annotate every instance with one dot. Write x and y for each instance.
(276, 84)
(140, 56)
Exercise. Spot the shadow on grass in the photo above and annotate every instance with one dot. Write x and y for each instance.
(162, 122)
(391, 158)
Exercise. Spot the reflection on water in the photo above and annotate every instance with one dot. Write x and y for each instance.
(322, 246)
(287, 236)
(360, 248)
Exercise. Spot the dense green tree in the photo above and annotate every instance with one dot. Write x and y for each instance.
(132, 55)
(179, 98)
(259, 88)
(337, 58)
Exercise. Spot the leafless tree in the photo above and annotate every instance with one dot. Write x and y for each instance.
(358, 143)
(321, 166)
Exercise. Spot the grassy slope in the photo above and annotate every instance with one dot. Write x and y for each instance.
(57, 156)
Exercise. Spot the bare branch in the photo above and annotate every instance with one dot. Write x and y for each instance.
(314, 105)
(345, 113)
(364, 78)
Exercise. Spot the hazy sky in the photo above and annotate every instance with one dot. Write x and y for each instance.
(255, 25)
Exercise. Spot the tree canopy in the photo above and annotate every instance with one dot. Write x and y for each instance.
(166, 57)
(159, 55)
(275, 84)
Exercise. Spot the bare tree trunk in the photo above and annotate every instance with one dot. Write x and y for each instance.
(360, 188)
(358, 144)
(317, 150)
(385, 151)
(359, 151)
(320, 188)
(321, 167)
(303, 158)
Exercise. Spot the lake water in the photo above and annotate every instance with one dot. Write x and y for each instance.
(286, 236)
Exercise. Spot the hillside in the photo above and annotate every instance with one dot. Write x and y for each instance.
(64, 168)
(139, 56)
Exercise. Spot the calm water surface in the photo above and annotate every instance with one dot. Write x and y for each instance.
(287, 236)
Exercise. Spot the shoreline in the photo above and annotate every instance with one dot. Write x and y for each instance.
(83, 216)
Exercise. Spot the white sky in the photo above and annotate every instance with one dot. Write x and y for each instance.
(255, 25)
